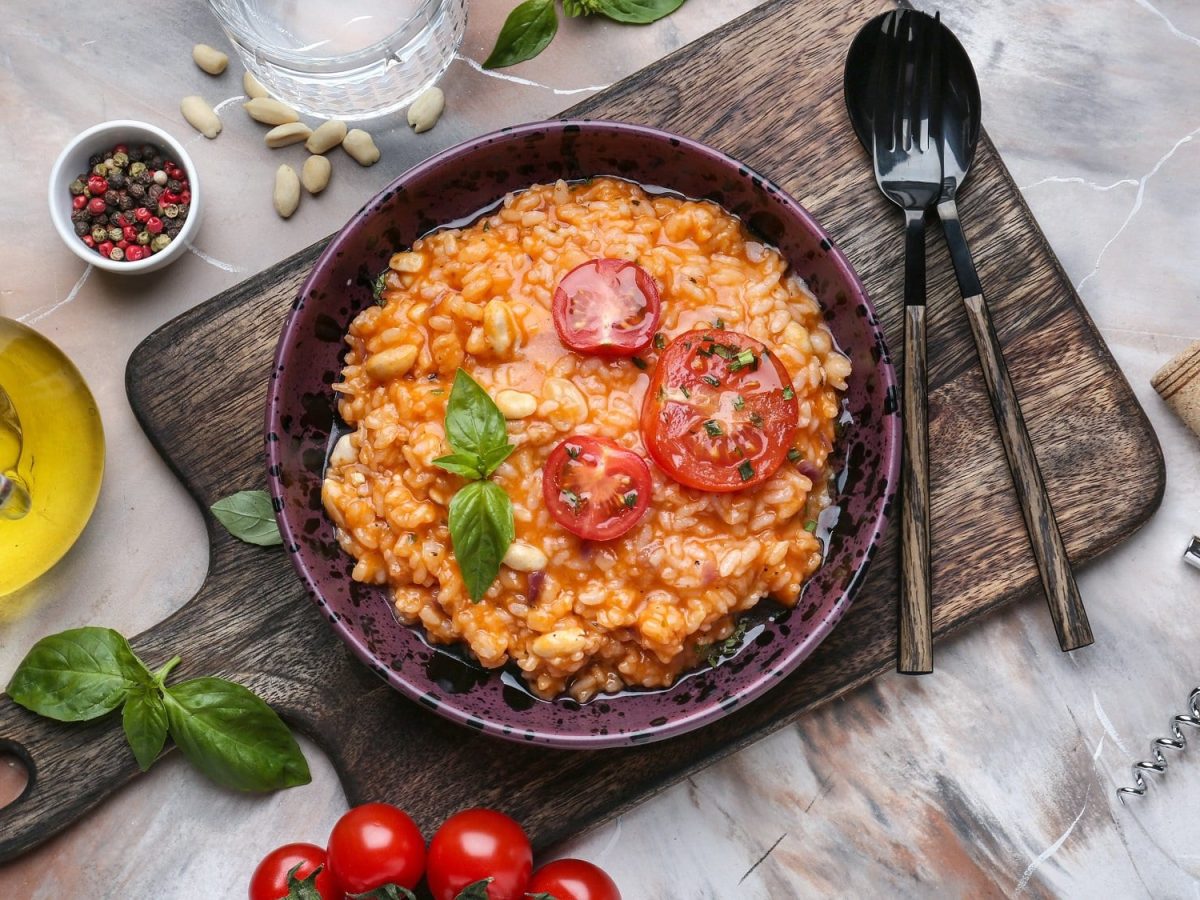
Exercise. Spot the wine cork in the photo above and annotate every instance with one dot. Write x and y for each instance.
(1178, 383)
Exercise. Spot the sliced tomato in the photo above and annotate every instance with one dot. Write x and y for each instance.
(594, 488)
(720, 413)
(607, 307)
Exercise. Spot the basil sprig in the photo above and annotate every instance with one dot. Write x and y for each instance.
(250, 517)
(481, 514)
(531, 26)
(224, 729)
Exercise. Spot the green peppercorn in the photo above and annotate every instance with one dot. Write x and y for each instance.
(115, 233)
(143, 237)
(99, 234)
(171, 211)
(116, 253)
(137, 169)
(121, 159)
(78, 187)
(160, 242)
(100, 169)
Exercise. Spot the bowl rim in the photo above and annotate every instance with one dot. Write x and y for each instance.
(59, 183)
(673, 726)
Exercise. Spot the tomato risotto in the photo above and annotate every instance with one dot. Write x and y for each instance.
(665, 394)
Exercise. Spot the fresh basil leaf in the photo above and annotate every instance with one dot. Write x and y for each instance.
(249, 516)
(525, 34)
(581, 7)
(477, 890)
(468, 465)
(637, 12)
(387, 892)
(78, 674)
(496, 455)
(145, 719)
(481, 529)
(474, 424)
(233, 737)
(302, 888)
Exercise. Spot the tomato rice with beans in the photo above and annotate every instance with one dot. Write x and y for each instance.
(576, 616)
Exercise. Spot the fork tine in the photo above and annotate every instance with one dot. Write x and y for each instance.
(900, 73)
(916, 65)
(937, 84)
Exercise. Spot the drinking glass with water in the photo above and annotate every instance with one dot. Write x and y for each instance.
(345, 59)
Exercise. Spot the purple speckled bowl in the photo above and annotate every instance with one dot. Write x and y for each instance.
(301, 424)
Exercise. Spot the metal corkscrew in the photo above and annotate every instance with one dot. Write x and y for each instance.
(1176, 741)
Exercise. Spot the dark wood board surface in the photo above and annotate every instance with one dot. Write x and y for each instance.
(766, 88)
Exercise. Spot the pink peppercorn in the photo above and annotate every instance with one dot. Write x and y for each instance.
(96, 206)
(121, 148)
(141, 214)
(134, 253)
(105, 248)
(154, 225)
(89, 240)
(123, 244)
(129, 233)
(97, 184)
(79, 201)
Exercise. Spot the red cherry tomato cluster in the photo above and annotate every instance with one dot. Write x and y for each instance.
(377, 851)
(719, 413)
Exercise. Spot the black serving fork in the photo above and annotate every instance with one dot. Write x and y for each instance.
(907, 152)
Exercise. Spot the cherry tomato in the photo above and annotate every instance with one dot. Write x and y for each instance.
(476, 844)
(608, 307)
(373, 845)
(594, 488)
(270, 878)
(573, 879)
(720, 413)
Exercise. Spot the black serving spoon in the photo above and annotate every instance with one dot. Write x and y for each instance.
(961, 104)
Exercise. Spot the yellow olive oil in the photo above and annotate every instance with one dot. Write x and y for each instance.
(51, 455)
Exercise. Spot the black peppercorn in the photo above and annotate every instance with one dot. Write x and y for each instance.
(174, 186)
(82, 227)
(145, 177)
(154, 191)
(116, 180)
(156, 162)
(126, 202)
(148, 152)
(112, 198)
(172, 230)
(81, 215)
(95, 159)
(101, 219)
(137, 191)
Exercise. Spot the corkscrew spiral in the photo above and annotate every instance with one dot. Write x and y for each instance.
(1176, 741)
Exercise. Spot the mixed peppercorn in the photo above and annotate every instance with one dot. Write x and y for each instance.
(131, 204)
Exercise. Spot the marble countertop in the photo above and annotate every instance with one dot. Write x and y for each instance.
(994, 776)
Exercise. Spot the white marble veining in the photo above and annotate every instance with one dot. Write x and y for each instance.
(995, 776)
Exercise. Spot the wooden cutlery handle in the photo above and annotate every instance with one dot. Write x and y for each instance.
(1062, 593)
(916, 621)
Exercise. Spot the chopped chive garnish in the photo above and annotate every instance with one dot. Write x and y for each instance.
(742, 360)
(708, 339)
(795, 455)
(571, 498)
(572, 451)
(723, 351)
(687, 395)
(704, 351)
(712, 379)
(631, 499)
(660, 341)
(810, 526)
(756, 420)
(713, 428)
(438, 391)
(718, 323)
(639, 362)
(746, 470)
(789, 392)
(739, 402)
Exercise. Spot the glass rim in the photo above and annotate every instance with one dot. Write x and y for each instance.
(302, 61)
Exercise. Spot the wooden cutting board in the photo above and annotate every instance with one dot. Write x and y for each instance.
(767, 89)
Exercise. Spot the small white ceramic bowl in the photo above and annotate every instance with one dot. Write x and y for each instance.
(74, 160)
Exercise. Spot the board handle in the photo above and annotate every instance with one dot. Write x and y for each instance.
(71, 767)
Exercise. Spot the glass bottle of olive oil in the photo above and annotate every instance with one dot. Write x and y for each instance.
(51, 455)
